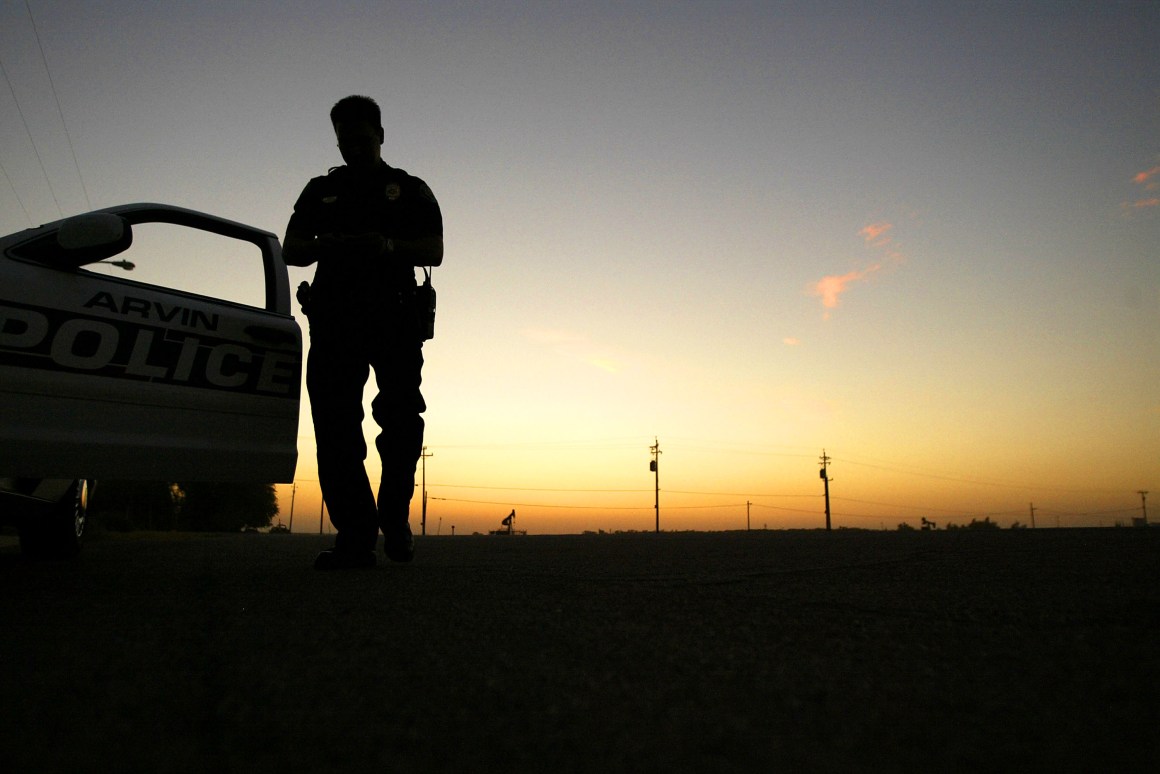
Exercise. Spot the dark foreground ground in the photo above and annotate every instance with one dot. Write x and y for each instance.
(971, 651)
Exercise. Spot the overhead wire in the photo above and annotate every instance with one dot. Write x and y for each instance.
(947, 512)
(59, 109)
(32, 140)
(35, 149)
(896, 505)
(962, 480)
(543, 505)
(529, 488)
(15, 193)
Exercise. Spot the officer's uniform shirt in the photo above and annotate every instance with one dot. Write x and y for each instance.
(387, 201)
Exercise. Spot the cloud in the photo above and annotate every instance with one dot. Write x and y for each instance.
(830, 288)
(872, 233)
(876, 237)
(1142, 177)
(790, 341)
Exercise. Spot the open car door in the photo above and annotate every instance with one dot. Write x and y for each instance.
(104, 377)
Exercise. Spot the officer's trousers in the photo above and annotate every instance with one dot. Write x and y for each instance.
(342, 354)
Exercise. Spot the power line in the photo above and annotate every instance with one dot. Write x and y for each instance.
(35, 149)
(895, 505)
(738, 494)
(826, 460)
(1084, 513)
(615, 443)
(972, 481)
(20, 201)
(547, 505)
(753, 450)
(783, 509)
(554, 506)
(530, 488)
(59, 110)
(960, 512)
(575, 489)
(736, 448)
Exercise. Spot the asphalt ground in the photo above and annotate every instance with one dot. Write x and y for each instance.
(693, 652)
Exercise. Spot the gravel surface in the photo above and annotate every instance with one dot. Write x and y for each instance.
(690, 652)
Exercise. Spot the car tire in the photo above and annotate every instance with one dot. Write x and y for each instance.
(55, 532)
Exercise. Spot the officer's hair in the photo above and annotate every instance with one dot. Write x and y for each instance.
(356, 108)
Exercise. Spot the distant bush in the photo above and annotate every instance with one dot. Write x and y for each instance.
(122, 506)
(226, 507)
(976, 524)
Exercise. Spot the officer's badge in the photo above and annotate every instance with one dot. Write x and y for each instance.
(393, 191)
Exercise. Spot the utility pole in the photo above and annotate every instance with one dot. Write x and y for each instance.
(423, 455)
(654, 466)
(293, 491)
(747, 504)
(1144, 503)
(1033, 510)
(825, 477)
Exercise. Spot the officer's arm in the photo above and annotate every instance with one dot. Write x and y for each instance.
(302, 248)
(425, 251)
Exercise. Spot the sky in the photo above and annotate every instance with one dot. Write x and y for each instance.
(919, 236)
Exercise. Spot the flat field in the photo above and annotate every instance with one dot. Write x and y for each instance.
(688, 652)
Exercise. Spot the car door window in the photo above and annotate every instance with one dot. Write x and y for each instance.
(192, 261)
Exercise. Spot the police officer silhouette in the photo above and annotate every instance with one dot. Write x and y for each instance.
(367, 226)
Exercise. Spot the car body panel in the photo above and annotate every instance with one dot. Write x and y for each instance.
(103, 377)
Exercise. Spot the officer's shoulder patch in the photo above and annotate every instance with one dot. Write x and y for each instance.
(426, 192)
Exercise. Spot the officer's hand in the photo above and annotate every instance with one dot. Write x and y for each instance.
(366, 245)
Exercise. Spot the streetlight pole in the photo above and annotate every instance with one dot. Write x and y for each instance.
(126, 265)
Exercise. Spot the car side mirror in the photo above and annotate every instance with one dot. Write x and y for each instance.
(91, 237)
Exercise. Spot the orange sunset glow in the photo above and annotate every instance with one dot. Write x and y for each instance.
(923, 240)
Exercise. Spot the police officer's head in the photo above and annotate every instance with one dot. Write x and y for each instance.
(358, 126)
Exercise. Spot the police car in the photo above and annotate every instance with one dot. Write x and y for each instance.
(105, 377)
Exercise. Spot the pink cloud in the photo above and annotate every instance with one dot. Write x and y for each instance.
(872, 233)
(831, 287)
(1142, 177)
(1142, 203)
(876, 237)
